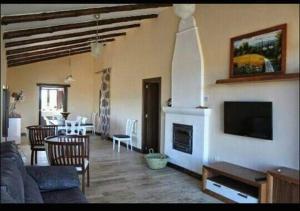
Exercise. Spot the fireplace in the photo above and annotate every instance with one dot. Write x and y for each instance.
(183, 138)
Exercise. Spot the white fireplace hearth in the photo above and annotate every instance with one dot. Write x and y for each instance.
(199, 120)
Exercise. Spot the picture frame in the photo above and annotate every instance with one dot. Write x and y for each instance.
(259, 53)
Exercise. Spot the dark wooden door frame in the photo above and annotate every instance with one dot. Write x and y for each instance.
(64, 86)
(158, 81)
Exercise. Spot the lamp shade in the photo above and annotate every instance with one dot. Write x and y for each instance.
(96, 48)
(69, 79)
(184, 10)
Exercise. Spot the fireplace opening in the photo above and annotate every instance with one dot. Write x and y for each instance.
(183, 138)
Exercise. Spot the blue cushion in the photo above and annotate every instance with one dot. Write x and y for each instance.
(5, 197)
(54, 177)
(11, 180)
(10, 150)
(32, 191)
(121, 136)
(72, 195)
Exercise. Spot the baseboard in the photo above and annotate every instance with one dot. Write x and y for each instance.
(184, 170)
(124, 145)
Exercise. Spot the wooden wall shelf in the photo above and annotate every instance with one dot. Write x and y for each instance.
(289, 76)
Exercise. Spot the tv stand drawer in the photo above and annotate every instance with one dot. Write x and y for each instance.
(230, 193)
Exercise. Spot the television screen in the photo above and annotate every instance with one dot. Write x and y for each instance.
(252, 119)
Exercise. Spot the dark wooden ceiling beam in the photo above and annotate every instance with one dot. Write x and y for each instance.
(40, 52)
(75, 13)
(52, 45)
(22, 62)
(51, 29)
(41, 56)
(66, 36)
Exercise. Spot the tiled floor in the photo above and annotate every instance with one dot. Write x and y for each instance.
(125, 178)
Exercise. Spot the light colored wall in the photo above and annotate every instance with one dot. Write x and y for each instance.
(147, 52)
(217, 24)
(3, 75)
(144, 53)
(80, 94)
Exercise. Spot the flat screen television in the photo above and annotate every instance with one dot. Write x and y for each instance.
(252, 119)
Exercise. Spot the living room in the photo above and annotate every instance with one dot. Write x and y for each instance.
(157, 49)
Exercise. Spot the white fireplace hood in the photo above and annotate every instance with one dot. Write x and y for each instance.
(187, 66)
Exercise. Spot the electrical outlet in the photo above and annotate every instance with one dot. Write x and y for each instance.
(206, 99)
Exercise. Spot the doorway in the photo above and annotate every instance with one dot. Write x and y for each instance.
(151, 114)
(53, 100)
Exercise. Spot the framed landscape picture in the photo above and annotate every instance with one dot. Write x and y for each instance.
(259, 53)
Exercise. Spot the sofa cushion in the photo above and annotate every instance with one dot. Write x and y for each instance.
(32, 191)
(5, 198)
(72, 195)
(11, 180)
(10, 150)
(54, 177)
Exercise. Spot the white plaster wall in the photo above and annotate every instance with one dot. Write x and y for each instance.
(147, 52)
(217, 24)
(187, 68)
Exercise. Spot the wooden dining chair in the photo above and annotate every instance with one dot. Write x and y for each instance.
(72, 150)
(37, 135)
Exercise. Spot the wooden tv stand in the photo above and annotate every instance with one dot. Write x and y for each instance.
(234, 184)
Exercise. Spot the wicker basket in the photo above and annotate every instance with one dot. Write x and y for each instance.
(156, 160)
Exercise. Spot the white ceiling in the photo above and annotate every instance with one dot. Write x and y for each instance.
(18, 9)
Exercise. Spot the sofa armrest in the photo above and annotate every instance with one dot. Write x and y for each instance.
(54, 177)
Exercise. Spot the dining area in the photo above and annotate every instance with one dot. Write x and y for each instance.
(69, 149)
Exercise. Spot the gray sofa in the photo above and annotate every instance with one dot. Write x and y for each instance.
(36, 184)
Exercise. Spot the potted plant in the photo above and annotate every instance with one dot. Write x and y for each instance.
(16, 97)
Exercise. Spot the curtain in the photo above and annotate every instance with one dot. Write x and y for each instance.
(105, 104)
(60, 96)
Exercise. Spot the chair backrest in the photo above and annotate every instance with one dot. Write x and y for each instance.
(69, 150)
(78, 118)
(130, 126)
(93, 117)
(47, 121)
(73, 127)
(38, 133)
(84, 120)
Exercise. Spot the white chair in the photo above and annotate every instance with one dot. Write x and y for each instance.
(78, 118)
(93, 121)
(84, 120)
(127, 137)
(46, 120)
(74, 128)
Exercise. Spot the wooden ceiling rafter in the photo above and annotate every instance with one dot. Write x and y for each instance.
(66, 36)
(75, 13)
(33, 57)
(41, 52)
(22, 62)
(58, 44)
(65, 27)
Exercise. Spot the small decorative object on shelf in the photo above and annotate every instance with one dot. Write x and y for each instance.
(203, 107)
(16, 97)
(169, 102)
(65, 115)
